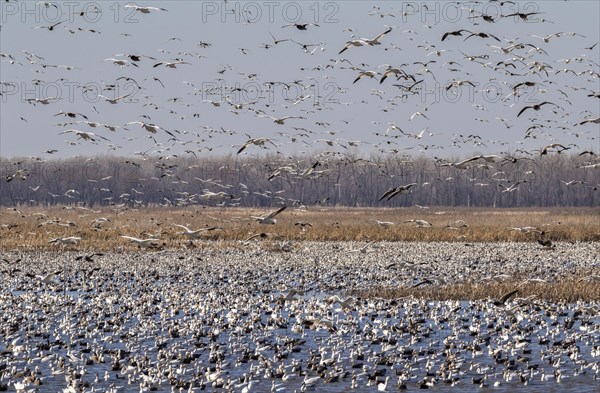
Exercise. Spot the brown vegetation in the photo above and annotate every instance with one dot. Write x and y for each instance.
(570, 290)
(32, 228)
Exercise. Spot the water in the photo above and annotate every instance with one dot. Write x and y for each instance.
(161, 318)
(408, 341)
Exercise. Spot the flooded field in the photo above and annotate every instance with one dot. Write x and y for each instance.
(302, 316)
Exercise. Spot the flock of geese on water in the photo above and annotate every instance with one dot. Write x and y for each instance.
(252, 320)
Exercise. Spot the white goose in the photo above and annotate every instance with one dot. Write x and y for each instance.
(190, 233)
(144, 10)
(270, 218)
(66, 240)
(121, 62)
(143, 243)
(49, 278)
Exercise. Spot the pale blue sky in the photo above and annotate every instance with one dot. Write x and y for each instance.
(348, 111)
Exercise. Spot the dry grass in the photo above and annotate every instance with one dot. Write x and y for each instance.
(30, 228)
(569, 290)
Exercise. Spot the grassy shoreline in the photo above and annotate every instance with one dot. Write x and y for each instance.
(571, 290)
(31, 228)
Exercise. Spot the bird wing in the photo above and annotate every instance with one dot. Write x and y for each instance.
(523, 110)
(468, 160)
(244, 146)
(276, 212)
(381, 35)
(135, 239)
(345, 48)
(507, 296)
(388, 192)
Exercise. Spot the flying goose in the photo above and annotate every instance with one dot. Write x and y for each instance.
(143, 243)
(384, 224)
(190, 233)
(535, 107)
(459, 84)
(363, 74)
(376, 40)
(586, 121)
(521, 15)
(290, 295)
(72, 115)
(281, 120)
(456, 33)
(43, 101)
(544, 150)
(66, 240)
(153, 128)
(270, 218)
(365, 41)
(397, 72)
(47, 279)
(420, 223)
(526, 229)
(195, 234)
(21, 174)
(121, 62)
(502, 301)
(300, 26)
(144, 10)
(392, 192)
(255, 142)
(345, 304)
(512, 188)
(483, 35)
(461, 164)
(173, 64)
(135, 58)
(352, 43)
(87, 136)
(51, 27)
(114, 100)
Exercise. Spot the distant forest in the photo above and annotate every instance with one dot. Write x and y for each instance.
(566, 180)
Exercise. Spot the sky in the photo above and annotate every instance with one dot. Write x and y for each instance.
(234, 76)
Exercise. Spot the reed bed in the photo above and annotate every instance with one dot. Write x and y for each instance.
(32, 228)
(570, 290)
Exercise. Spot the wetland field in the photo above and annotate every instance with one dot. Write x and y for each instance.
(325, 300)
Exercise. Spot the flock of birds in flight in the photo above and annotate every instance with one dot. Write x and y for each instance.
(521, 64)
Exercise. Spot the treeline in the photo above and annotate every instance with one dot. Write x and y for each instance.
(567, 180)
